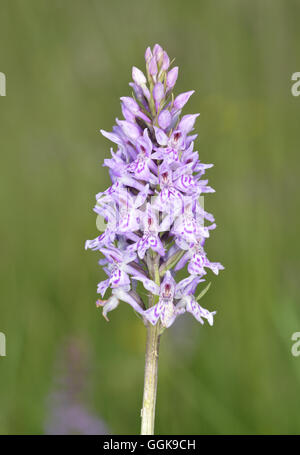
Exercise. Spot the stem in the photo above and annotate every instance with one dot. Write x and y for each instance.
(150, 380)
(151, 358)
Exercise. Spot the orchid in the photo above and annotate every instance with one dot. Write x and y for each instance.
(173, 301)
(154, 222)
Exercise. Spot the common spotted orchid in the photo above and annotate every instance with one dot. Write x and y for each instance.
(154, 223)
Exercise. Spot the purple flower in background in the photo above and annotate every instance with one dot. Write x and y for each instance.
(154, 222)
(67, 406)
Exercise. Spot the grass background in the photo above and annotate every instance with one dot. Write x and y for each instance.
(67, 63)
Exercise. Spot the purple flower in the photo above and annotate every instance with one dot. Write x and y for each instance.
(150, 239)
(174, 299)
(153, 67)
(181, 100)
(116, 267)
(170, 147)
(153, 222)
(164, 119)
(158, 94)
(197, 258)
(143, 164)
(172, 77)
(188, 303)
(117, 295)
(138, 76)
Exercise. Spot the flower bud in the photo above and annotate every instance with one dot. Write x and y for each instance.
(172, 77)
(158, 53)
(166, 62)
(182, 99)
(148, 54)
(138, 76)
(153, 67)
(158, 94)
(164, 119)
(187, 123)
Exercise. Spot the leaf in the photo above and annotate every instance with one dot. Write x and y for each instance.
(202, 293)
(171, 262)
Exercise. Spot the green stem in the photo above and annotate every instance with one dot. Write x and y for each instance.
(151, 357)
(150, 380)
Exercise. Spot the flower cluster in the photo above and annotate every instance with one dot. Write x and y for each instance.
(154, 221)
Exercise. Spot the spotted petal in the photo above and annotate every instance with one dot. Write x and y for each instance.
(148, 284)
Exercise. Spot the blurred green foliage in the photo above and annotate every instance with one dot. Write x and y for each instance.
(67, 63)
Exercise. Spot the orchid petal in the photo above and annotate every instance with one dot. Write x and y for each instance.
(148, 284)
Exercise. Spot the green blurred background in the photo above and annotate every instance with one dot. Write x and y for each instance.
(67, 63)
